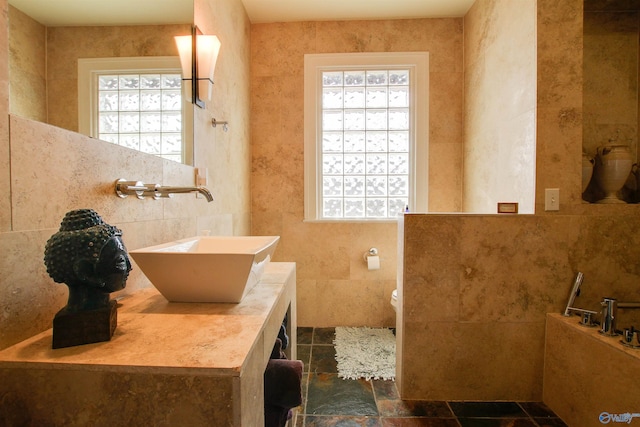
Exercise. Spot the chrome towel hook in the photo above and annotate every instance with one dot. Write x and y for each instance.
(215, 123)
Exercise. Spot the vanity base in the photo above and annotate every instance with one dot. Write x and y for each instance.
(191, 364)
(45, 397)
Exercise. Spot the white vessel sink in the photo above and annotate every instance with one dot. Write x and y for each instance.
(206, 268)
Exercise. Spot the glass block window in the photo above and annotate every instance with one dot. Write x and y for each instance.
(365, 143)
(138, 103)
(142, 111)
(361, 141)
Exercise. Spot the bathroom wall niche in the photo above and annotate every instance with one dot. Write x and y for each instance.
(610, 83)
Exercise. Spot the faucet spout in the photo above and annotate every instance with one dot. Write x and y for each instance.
(163, 191)
(609, 317)
(629, 305)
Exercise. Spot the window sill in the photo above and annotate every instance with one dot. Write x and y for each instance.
(354, 220)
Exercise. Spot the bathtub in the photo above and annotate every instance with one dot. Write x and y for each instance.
(589, 379)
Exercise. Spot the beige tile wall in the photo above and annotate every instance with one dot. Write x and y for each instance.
(500, 103)
(334, 285)
(27, 66)
(227, 155)
(559, 105)
(5, 196)
(477, 287)
(53, 171)
(610, 78)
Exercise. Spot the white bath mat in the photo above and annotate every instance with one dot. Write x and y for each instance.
(365, 353)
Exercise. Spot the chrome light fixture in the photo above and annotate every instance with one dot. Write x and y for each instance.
(198, 56)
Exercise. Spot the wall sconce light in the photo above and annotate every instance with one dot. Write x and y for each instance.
(198, 56)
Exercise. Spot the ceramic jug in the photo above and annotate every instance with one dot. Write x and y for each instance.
(612, 167)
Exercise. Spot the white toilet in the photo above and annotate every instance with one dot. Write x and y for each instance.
(394, 300)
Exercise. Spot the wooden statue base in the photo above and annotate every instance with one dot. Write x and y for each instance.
(70, 329)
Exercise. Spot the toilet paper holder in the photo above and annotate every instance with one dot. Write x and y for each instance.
(372, 259)
(370, 252)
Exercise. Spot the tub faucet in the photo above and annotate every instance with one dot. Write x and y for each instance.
(587, 315)
(610, 308)
(166, 191)
(609, 317)
(575, 291)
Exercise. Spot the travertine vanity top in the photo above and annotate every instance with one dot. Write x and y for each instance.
(213, 339)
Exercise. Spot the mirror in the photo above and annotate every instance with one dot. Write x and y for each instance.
(48, 38)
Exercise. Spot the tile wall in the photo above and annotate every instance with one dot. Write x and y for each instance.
(28, 66)
(610, 58)
(500, 105)
(334, 285)
(5, 196)
(477, 287)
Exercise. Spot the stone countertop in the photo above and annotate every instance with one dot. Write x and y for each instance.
(153, 334)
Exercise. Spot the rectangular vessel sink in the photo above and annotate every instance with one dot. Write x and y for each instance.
(206, 268)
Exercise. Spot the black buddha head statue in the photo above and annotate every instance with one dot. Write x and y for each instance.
(89, 256)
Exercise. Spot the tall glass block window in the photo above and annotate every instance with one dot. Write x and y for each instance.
(142, 111)
(365, 133)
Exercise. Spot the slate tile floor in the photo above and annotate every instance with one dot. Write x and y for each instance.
(330, 401)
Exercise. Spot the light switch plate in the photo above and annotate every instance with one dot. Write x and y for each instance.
(552, 199)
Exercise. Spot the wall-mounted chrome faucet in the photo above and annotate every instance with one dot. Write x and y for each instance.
(126, 188)
(167, 191)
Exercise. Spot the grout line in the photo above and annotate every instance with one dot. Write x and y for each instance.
(306, 392)
(453, 413)
(525, 411)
